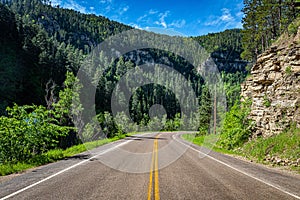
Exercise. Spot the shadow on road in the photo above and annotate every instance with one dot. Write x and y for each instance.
(80, 157)
(139, 138)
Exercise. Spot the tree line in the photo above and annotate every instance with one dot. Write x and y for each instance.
(42, 46)
(264, 22)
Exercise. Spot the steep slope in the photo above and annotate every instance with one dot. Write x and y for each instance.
(51, 41)
(225, 48)
(11, 66)
(274, 87)
(39, 43)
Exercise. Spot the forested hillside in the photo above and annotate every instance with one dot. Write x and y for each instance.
(40, 44)
(225, 49)
(44, 42)
(264, 22)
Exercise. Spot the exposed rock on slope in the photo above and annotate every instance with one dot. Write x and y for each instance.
(274, 88)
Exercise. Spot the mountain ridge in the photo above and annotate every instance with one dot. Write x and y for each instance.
(55, 40)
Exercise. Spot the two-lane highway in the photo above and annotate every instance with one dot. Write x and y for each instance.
(151, 166)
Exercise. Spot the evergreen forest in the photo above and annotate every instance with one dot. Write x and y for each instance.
(42, 48)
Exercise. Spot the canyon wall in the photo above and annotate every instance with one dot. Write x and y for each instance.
(274, 87)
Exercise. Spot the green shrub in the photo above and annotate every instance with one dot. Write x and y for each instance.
(288, 70)
(266, 102)
(107, 124)
(293, 27)
(236, 129)
(28, 131)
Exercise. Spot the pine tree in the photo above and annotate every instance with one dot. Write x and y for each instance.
(264, 22)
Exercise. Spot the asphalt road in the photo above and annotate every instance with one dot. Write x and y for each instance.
(151, 166)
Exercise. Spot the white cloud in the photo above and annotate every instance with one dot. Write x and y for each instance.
(56, 2)
(113, 10)
(122, 10)
(154, 18)
(71, 4)
(239, 14)
(152, 12)
(162, 22)
(108, 9)
(212, 22)
(135, 26)
(226, 15)
(142, 17)
(117, 13)
(125, 8)
(105, 1)
(226, 19)
(145, 16)
(178, 23)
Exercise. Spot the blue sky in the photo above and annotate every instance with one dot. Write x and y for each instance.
(190, 17)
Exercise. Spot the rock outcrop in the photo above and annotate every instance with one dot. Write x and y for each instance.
(274, 88)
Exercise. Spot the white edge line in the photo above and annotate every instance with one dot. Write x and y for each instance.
(240, 171)
(64, 170)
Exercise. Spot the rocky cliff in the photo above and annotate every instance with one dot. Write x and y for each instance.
(274, 88)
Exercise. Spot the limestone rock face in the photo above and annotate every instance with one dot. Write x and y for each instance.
(274, 88)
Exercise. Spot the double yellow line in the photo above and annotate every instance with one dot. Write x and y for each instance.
(154, 164)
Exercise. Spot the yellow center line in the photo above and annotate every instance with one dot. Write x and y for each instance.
(154, 164)
(151, 174)
(156, 188)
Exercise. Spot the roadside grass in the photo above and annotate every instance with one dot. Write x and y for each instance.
(208, 141)
(55, 155)
(285, 146)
